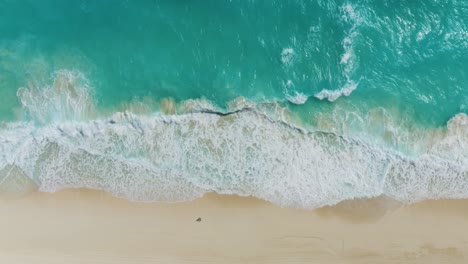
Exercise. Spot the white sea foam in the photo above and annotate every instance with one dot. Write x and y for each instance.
(181, 157)
(297, 98)
(292, 96)
(333, 95)
(287, 56)
(68, 98)
(177, 158)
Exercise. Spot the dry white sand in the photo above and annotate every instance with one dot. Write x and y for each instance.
(79, 226)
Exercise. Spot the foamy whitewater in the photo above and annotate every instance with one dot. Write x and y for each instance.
(246, 152)
(304, 104)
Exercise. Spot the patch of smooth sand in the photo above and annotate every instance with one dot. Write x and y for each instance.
(82, 226)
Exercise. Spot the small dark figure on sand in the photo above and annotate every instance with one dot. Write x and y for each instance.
(199, 219)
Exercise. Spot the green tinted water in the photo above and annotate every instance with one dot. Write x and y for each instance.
(407, 56)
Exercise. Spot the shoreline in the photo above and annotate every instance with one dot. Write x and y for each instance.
(84, 226)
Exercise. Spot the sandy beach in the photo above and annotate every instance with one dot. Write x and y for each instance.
(81, 226)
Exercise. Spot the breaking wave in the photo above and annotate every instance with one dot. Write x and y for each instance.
(247, 151)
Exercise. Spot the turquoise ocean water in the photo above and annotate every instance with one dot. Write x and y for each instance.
(302, 103)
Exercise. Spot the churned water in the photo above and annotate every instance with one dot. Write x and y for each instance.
(302, 103)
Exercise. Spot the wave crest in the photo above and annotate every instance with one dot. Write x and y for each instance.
(247, 151)
(333, 95)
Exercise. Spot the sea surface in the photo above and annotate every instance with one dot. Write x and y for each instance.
(301, 103)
